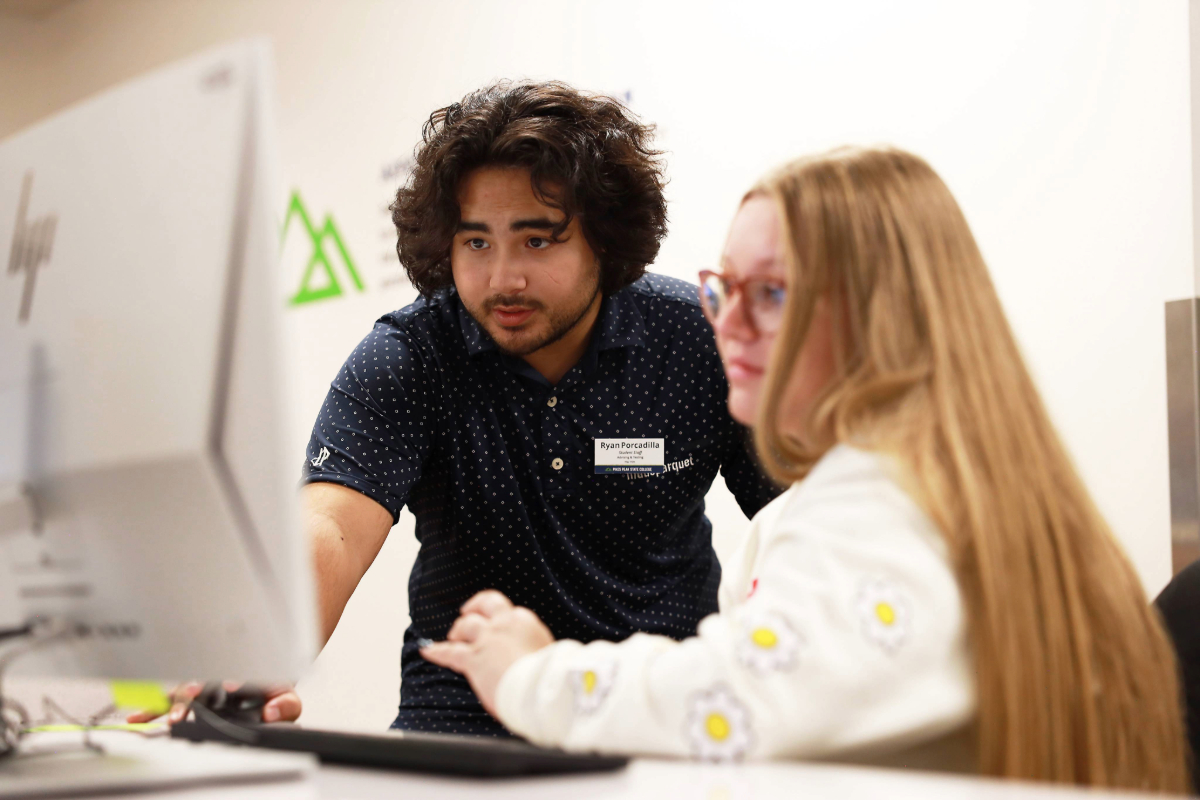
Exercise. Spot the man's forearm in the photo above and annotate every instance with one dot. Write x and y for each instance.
(337, 571)
(345, 530)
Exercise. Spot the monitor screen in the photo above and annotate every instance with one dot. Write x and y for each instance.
(151, 498)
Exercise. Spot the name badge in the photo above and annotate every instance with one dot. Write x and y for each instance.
(630, 455)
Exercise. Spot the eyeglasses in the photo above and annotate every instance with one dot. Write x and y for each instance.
(762, 300)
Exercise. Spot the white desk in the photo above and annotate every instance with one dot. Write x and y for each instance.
(645, 780)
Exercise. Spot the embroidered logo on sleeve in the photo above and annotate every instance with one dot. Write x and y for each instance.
(767, 642)
(321, 457)
(592, 685)
(884, 615)
(718, 726)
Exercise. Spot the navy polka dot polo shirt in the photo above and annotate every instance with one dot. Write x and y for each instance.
(497, 466)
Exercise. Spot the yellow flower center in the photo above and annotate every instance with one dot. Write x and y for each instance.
(717, 727)
(764, 638)
(885, 613)
(589, 682)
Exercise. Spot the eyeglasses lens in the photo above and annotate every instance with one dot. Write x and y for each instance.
(766, 305)
(712, 295)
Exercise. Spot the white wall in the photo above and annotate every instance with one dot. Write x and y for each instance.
(1062, 126)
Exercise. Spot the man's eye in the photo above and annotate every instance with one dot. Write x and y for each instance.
(539, 243)
(477, 244)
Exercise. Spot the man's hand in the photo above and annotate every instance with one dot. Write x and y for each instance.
(283, 704)
(345, 531)
(484, 642)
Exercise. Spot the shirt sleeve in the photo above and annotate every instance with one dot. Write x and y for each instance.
(375, 427)
(853, 640)
(743, 475)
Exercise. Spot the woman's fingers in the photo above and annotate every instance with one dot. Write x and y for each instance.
(487, 603)
(466, 628)
(452, 655)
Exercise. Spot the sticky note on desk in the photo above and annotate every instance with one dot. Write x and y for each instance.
(140, 696)
(137, 727)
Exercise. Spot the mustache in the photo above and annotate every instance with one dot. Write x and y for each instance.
(510, 301)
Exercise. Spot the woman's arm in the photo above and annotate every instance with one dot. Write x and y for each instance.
(854, 638)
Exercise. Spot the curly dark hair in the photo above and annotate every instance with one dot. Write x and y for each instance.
(588, 156)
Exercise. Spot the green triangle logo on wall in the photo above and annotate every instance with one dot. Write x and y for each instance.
(320, 281)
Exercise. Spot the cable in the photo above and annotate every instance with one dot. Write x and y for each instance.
(12, 633)
(13, 721)
(13, 718)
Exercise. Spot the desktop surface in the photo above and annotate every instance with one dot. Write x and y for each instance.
(57, 764)
(644, 779)
(662, 779)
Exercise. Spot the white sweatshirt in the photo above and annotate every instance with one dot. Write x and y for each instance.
(841, 635)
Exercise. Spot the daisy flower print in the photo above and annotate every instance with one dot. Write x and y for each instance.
(591, 685)
(767, 642)
(884, 615)
(718, 726)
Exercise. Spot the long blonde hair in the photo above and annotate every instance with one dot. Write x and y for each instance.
(1076, 679)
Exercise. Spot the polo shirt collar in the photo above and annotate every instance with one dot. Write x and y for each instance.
(620, 324)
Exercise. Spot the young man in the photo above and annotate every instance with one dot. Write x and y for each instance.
(527, 226)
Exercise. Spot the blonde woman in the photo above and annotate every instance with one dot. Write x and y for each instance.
(935, 588)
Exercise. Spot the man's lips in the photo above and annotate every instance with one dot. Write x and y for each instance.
(738, 370)
(511, 316)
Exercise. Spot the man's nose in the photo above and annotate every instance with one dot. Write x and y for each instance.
(508, 277)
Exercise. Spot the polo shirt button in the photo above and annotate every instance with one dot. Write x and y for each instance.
(552, 402)
(556, 463)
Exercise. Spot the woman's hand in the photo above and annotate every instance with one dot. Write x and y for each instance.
(484, 642)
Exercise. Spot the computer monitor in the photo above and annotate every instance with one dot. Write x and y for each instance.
(147, 497)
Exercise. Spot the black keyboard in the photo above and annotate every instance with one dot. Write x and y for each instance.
(417, 752)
